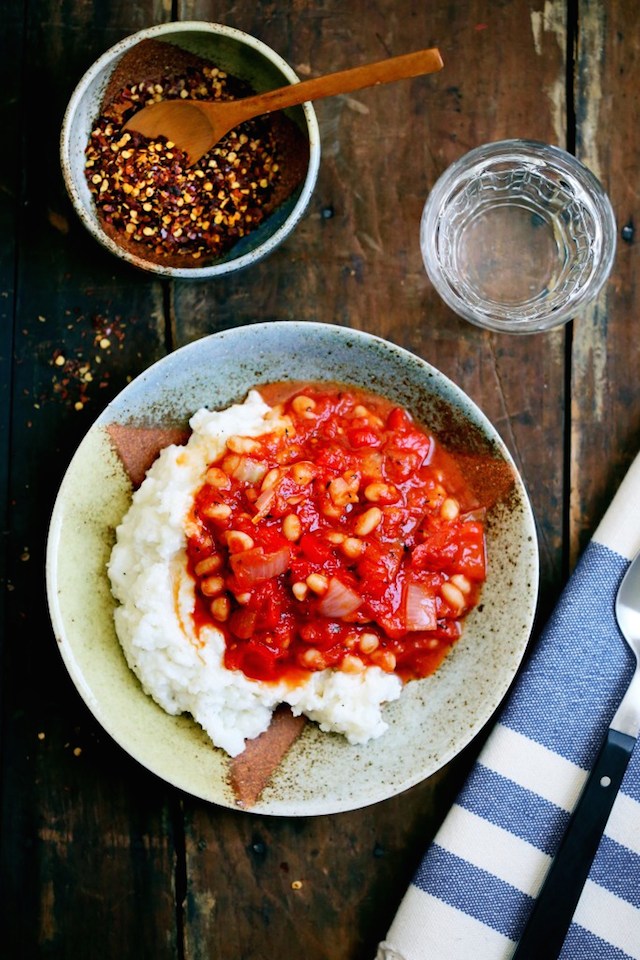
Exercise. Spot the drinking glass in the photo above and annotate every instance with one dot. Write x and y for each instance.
(518, 236)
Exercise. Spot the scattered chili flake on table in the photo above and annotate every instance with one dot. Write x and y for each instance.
(107, 329)
(72, 383)
(150, 201)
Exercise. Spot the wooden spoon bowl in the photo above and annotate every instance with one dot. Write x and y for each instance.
(195, 126)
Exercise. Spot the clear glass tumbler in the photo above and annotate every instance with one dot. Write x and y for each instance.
(518, 236)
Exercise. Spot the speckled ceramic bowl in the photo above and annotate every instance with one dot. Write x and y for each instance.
(434, 718)
(242, 56)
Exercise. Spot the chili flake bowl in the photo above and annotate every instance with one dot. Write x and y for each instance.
(240, 56)
(320, 773)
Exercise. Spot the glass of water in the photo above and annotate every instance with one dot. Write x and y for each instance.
(518, 236)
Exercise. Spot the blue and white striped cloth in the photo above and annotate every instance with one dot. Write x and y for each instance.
(475, 887)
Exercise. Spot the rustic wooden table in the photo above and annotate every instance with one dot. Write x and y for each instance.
(99, 858)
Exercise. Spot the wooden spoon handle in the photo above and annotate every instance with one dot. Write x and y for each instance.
(343, 81)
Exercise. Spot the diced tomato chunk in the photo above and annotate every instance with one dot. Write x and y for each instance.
(416, 442)
(400, 464)
(363, 437)
(323, 634)
(437, 552)
(256, 660)
(315, 548)
(471, 560)
(399, 419)
(242, 623)
(455, 548)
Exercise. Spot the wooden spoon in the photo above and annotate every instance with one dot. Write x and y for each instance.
(196, 125)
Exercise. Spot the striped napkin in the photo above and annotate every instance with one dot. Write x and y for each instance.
(475, 887)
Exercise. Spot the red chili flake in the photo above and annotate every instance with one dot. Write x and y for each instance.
(73, 385)
(106, 330)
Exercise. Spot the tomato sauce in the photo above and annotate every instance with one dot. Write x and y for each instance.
(350, 540)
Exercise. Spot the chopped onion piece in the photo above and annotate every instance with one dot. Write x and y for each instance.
(254, 566)
(339, 600)
(249, 470)
(479, 514)
(262, 504)
(420, 608)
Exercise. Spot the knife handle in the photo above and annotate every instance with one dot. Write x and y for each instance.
(553, 910)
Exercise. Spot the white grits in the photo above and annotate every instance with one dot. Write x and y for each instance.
(183, 671)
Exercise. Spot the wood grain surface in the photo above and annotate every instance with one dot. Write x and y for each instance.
(99, 858)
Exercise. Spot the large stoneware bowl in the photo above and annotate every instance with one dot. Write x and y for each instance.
(434, 718)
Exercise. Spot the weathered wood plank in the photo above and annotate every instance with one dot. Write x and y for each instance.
(605, 355)
(87, 837)
(10, 63)
(261, 887)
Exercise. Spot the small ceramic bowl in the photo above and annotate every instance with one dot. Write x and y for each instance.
(321, 773)
(241, 56)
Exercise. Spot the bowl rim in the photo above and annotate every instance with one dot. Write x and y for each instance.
(89, 219)
(435, 382)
